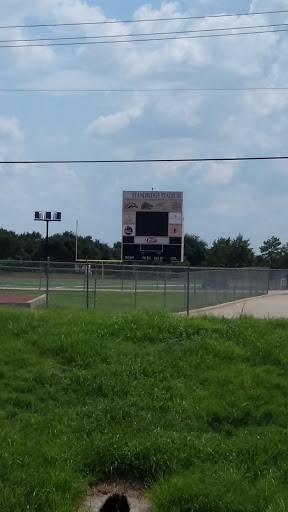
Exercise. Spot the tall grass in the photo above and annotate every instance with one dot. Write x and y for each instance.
(196, 409)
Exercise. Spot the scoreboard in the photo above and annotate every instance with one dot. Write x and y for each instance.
(152, 226)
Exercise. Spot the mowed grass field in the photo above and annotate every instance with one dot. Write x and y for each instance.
(118, 301)
(116, 295)
(195, 409)
(78, 281)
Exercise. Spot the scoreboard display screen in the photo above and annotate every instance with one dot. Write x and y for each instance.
(152, 225)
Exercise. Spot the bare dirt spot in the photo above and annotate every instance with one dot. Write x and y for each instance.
(15, 299)
(134, 492)
(19, 300)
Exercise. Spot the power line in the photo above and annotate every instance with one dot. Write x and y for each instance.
(144, 160)
(177, 89)
(109, 36)
(86, 43)
(114, 22)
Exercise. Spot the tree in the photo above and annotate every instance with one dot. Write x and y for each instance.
(282, 262)
(61, 247)
(271, 251)
(218, 254)
(195, 250)
(241, 254)
(227, 252)
(116, 251)
(11, 247)
(32, 244)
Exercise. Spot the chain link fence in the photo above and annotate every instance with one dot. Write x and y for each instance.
(117, 288)
(278, 280)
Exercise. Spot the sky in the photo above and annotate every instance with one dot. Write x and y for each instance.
(221, 199)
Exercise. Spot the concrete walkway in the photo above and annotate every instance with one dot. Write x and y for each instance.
(273, 305)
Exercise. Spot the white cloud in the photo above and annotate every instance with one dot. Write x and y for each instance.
(12, 140)
(141, 58)
(17, 12)
(184, 109)
(38, 57)
(10, 128)
(115, 123)
(27, 57)
(215, 173)
(266, 102)
(154, 125)
(234, 202)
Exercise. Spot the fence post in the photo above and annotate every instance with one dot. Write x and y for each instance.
(165, 289)
(95, 287)
(234, 283)
(215, 273)
(87, 284)
(185, 294)
(242, 281)
(188, 291)
(40, 279)
(268, 281)
(47, 281)
(122, 283)
(257, 283)
(135, 289)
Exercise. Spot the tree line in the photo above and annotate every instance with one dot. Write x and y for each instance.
(224, 252)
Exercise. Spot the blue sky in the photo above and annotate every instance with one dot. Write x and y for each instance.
(220, 199)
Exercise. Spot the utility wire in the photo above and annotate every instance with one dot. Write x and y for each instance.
(177, 89)
(86, 43)
(114, 22)
(144, 160)
(109, 36)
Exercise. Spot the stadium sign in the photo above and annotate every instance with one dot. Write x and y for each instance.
(152, 226)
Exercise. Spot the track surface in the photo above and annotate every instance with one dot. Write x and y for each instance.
(8, 298)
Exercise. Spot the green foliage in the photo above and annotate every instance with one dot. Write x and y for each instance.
(32, 245)
(195, 250)
(116, 251)
(219, 488)
(271, 252)
(195, 408)
(233, 253)
(224, 252)
(10, 245)
(61, 247)
(283, 260)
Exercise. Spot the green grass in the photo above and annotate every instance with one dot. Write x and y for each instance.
(196, 409)
(78, 281)
(117, 301)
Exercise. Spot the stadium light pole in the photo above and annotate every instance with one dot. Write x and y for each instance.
(47, 217)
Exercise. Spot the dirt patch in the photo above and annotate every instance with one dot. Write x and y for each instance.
(11, 298)
(19, 300)
(134, 492)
